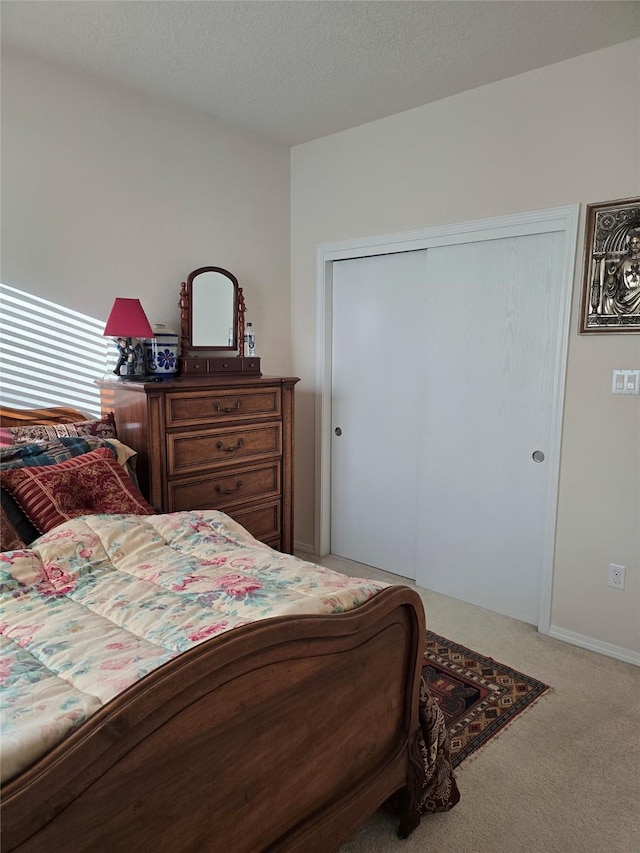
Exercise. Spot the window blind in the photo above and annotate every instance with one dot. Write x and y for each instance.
(49, 355)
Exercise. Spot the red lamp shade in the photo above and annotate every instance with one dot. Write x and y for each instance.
(128, 320)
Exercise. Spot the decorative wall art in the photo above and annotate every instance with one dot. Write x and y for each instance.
(611, 294)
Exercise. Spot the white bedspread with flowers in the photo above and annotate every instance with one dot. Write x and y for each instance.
(100, 601)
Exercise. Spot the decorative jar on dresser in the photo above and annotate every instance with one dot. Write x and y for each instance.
(213, 442)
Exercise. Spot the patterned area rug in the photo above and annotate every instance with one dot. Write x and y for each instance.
(477, 695)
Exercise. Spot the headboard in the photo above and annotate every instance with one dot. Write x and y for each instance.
(58, 415)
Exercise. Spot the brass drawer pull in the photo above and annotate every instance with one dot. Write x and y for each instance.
(231, 448)
(222, 491)
(228, 409)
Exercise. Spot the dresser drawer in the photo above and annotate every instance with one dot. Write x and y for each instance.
(205, 407)
(263, 521)
(195, 365)
(223, 490)
(191, 452)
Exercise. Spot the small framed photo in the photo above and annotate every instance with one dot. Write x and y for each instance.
(611, 289)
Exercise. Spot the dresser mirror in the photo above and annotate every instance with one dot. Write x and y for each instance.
(209, 310)
(212, 313)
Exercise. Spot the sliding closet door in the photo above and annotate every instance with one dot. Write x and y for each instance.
(444, 362)
(491, 333)
(378, 314)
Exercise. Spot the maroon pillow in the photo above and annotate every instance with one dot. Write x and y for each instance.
(104, 427)
(85, 485)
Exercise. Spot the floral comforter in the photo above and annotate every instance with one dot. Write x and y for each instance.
(102, 600)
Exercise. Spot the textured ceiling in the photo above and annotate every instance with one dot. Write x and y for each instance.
(295, 70)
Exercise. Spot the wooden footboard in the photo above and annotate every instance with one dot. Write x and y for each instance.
(283, 735)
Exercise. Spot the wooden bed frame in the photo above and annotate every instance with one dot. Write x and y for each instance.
(285, 734)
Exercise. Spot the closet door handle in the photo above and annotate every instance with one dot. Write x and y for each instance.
(228, 409)
(232, 447)
(537, 456)
(222, 491)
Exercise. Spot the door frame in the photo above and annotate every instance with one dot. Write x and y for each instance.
(561, 219)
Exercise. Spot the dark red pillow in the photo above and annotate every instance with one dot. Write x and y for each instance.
(85, 485)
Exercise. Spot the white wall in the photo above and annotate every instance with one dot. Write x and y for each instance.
(107, 192)
(565, 134)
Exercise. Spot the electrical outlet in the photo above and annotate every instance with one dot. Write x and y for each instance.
(616, 576)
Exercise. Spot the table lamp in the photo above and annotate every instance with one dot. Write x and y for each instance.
(127, 320)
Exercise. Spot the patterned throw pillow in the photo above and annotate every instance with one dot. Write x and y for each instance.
(50, 453)
(34, 455)
(85, 485)
(104, 427)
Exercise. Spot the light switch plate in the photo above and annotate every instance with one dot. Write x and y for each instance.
(625, 382)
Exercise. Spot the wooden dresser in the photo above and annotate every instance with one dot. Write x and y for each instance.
(213, 442)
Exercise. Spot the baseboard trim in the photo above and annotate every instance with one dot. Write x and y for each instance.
(303, 547)
(618, 652)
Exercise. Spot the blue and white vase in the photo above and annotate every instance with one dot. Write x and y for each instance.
(161, 352)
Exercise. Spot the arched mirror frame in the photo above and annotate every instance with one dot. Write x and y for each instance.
(236, 321)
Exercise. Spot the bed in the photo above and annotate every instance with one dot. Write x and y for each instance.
(281, 733)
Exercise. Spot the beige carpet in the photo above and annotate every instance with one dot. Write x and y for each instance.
(564, 777)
